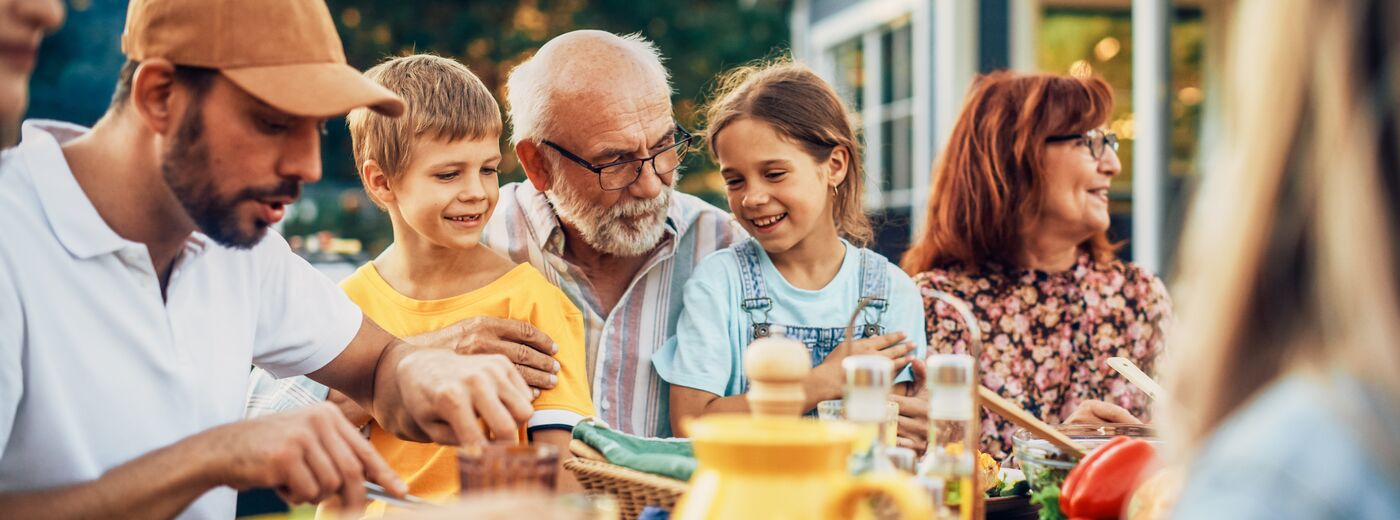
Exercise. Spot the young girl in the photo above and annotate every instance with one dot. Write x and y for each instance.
(791, 167)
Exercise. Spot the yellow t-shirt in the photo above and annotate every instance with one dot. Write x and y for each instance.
(522, 294)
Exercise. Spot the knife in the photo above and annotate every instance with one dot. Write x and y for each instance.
(378, 492)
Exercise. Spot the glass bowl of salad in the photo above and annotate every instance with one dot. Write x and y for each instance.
(1046, 466)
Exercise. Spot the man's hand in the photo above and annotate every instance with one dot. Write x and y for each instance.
(441, 394)
(307, 455)
(1093, 411)
(421, 393)
(826, 379)
(521, 343)
(913, 410)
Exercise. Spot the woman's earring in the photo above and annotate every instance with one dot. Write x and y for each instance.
(834, 193)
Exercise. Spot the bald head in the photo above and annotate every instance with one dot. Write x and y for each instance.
(583, 72)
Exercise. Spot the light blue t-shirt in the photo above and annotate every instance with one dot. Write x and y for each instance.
(707, 351)
(1300, 450)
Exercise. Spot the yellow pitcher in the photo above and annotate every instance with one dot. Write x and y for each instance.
(783, 467)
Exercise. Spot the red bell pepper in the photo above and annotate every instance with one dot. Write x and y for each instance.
(1099, 486)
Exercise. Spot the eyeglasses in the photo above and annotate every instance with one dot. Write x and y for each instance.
(1096, 140)
(617, 175)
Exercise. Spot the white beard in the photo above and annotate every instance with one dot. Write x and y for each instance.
(628, 229)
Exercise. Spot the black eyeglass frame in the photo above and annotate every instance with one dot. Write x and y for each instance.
(683, 143)
(1105, 140)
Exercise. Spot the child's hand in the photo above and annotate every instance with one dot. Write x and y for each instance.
(826, 379)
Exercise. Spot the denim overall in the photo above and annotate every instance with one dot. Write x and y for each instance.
(874, 283)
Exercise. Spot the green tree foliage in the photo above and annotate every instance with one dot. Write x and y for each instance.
(699, 38)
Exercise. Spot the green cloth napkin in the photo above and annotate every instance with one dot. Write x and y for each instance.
(666, 457)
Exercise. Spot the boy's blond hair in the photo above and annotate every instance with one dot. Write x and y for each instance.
(444, 101)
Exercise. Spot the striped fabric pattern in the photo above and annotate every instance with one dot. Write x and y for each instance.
(628, 394)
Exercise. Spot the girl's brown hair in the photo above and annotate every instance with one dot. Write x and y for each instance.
(802, 107)
(987, 184)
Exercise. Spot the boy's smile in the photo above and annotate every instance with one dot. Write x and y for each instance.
(466, 220)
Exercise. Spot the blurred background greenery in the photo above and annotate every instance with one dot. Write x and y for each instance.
(78, 67)
(700, 38)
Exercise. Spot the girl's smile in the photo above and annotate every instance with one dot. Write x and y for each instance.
(768, 224)
(779, 193)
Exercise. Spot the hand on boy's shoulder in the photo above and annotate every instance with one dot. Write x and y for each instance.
(531, 350)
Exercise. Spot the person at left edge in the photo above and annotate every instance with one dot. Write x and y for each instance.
(138, 281)
(22, 24)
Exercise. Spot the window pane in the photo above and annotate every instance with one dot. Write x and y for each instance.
(849, 80)
(896, 63)
(897, 154)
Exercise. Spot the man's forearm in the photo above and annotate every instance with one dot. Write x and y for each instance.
(384, 397)
(160, 484)
(364, 371)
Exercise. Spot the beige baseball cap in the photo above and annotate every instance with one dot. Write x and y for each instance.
(283, 52)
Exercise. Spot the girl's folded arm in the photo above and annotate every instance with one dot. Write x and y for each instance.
(688, 402)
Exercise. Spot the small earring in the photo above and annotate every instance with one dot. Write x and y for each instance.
(834, 193)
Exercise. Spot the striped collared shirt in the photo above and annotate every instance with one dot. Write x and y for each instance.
(629, 395)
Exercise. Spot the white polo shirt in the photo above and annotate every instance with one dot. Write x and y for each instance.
(95, 368)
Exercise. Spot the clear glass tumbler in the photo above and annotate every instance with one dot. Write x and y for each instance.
(507, 466)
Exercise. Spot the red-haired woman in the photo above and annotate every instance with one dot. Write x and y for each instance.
(1016, 227)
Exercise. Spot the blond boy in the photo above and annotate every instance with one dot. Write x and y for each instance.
(434, 171)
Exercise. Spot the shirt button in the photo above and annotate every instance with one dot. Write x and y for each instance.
(604, 405)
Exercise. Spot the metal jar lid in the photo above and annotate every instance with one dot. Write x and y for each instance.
(868, 371)
(950, 369)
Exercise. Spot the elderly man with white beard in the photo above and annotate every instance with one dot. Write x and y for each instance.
(593, 129)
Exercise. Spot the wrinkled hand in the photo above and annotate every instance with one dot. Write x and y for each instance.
(521, 343)
(1093, 411)
(826, 379)
(308, 455)
(353, 412)
(913, 410)
(444, 393)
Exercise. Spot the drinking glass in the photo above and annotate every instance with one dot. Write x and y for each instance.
(834, 410)
(506, 466)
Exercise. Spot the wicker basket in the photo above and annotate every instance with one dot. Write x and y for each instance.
(634, 490)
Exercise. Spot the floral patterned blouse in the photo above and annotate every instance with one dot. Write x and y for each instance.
(1047, 336)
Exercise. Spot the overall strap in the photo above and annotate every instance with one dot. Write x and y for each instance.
(756, 302)
(874, 291)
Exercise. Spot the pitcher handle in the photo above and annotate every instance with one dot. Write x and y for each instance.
(910, 500)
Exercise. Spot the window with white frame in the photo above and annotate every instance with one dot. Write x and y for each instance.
(896, 114)
(873, 73)
(878, 56)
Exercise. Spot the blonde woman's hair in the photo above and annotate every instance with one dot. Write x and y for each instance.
(444, 99)
(802, 107)
(1289, 265)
